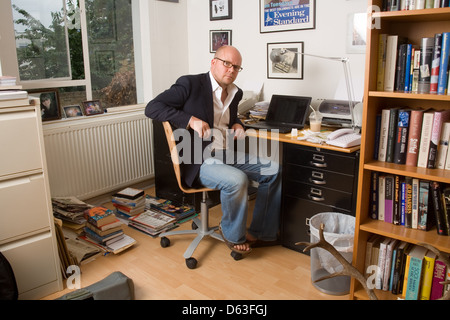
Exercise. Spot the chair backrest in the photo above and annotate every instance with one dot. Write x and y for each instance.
(176, 159)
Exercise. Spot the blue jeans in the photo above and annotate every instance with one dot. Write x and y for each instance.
(232, 179)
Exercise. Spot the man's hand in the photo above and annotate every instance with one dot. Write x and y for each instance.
(239, 132)
(201, 127)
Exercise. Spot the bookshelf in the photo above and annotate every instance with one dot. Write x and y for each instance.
(415, 25)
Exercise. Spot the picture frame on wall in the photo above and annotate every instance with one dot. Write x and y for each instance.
(280, 15)
(219, 38)
(92, 107)
(220, 9)
(283, 60)
(356, 33)
(49, 103)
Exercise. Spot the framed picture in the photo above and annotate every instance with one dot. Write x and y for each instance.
(220, 9)
(72, 111)
(92, 107)
(176, 1)
(49, 102)
(218, 38)
(357, 33)
(284, 60)
(287, 15)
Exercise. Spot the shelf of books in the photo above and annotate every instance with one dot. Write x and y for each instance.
(404, 149)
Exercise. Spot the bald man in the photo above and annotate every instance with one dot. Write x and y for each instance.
(206, 105)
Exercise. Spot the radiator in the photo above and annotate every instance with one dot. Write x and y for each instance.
(88, 158)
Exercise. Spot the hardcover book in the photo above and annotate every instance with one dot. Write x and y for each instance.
(401, 138)
(415, 129)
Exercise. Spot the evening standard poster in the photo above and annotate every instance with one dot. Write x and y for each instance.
(285, 15)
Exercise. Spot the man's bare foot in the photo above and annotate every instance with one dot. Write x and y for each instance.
(242, 247)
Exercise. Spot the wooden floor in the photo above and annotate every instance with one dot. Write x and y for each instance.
(274, 273)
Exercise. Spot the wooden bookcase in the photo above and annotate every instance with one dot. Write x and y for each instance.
(414, 24)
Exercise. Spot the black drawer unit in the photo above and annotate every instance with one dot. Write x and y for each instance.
(315, 181)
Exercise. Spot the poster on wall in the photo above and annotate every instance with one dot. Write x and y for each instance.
(287, 15)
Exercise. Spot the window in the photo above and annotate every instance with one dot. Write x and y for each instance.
(82, 47)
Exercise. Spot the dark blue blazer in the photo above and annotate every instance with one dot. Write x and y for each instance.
(191, 95)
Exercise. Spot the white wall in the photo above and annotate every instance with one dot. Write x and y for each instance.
(321, 77)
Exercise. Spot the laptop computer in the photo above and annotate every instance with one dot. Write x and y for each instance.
(284, 113)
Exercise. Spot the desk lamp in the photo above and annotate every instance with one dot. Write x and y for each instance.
(278, 56)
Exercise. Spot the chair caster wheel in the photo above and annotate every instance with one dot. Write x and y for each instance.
(191, 263)
(236, 256)
(194, 226)
(165, 242)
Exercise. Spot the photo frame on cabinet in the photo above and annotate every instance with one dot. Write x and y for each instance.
(92, 107)
(219, 38)
(73, 111)
(283, 62)
(220, 9)
(279, 15)
(49, 102)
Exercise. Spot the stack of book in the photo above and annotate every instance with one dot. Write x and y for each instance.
(102, 226)
(129, 202)
(410, 202)
(407, 270)
(180, 213)
(152, 222)
(413, 137)
(105, 231)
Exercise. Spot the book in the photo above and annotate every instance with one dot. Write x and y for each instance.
(443, 146)
(99, 216)
(425, 138)
(415, 129)
(397, 280)
(388, 263)
(374, 238)
(397, 190)
(381, 196)
(8, 81)
(400, 73)
(381, 263)
(374, 195)
(416, 255)
(384, 129)
(382, 42)
(426, 48)
(129, 193)
(376, 146)
(425, 217)
(393, 119)
(442, 223)
(153, 219)
(438, 276)
(435, 63)
(416, 71)
(427, 278)
(440, 117)
(408, 202)
(392, 45)
(415, 203)
(389, 198)
(443, 67)
(401, 137)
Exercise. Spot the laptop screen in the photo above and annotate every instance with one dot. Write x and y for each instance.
(288, 109)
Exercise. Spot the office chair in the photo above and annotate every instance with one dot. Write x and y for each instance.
(200, 226)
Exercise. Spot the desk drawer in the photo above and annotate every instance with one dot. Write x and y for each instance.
(293, 222)
(318, 194)
(318, 177)
(320, 159)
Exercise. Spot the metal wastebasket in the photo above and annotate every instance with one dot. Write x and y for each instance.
(339, 230)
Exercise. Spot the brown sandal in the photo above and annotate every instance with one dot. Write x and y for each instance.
(231, 245)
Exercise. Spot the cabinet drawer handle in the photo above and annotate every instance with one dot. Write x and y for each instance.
(317, 178)
(318, 165)
(316, 195)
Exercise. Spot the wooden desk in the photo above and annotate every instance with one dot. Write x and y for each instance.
(316, 178)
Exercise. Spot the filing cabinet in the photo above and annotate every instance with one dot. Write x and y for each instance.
(27, 237)
(315, 180)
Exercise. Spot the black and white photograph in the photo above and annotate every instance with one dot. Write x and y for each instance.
(284, 60)
(220, 9)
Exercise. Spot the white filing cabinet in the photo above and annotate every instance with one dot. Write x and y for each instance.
(27, 233)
